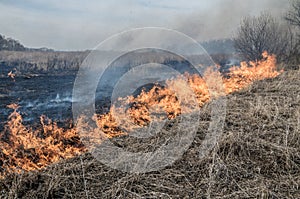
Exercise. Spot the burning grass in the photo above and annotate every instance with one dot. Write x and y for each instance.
(23, 148)
(258, 155)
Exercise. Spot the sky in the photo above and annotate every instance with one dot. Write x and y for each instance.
(83, 24)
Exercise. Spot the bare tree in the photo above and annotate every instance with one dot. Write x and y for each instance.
(293, 16)
(263, 33)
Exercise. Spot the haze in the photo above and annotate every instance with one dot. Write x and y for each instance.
(80, 25)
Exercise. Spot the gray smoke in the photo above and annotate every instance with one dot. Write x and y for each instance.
(80, 25)
(223, 17)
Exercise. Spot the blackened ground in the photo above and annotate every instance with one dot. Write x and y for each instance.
(49, 95)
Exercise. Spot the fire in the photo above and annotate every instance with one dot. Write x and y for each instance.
(11, 75)
(24, 148)
(165, 100)
(241, 77)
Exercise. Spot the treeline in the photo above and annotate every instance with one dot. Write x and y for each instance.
(14, 56)
(10, 44)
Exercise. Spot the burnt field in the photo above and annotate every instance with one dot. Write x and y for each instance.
(49, 92)
(257, 154)
(257, 157)
(148, 99)
(37, 95)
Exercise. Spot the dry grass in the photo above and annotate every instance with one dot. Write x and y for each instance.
(258, 156)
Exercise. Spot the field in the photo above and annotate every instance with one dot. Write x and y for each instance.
(150, 99)
(258, 156)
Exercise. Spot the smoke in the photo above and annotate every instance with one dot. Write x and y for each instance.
(80, 25)
(222, 17)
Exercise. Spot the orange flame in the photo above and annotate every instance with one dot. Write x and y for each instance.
(23, 148)
(241, 77)
(11, 75)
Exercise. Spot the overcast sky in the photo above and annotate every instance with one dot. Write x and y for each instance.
(82, 24)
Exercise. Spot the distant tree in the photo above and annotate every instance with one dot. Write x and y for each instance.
(10, 44)
(293, 17)
(263, 33)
